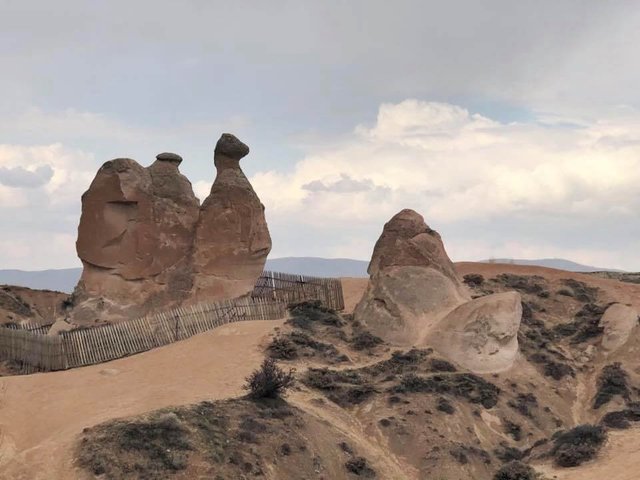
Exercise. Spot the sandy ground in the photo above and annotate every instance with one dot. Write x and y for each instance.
(41, 415)
(352, 290)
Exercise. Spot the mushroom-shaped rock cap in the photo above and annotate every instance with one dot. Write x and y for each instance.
(169, 157)
(231, 147)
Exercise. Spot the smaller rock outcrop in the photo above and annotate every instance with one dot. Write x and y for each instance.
(481, 335)
(618, 322)
(413, 283)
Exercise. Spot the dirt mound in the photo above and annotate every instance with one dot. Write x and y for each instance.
(21, 305)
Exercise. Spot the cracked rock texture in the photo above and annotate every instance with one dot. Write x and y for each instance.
(147, 245)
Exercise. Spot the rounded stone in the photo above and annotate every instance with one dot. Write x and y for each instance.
(230, 146)
(169, 157)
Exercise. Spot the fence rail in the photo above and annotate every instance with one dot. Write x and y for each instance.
(289, 288)
(32, 348)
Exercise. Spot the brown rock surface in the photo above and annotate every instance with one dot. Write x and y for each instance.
(146, 244)
(413, 283)
(232, 240)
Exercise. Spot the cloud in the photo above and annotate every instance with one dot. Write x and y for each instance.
(23, 178)
(457, 167)
(345, 184)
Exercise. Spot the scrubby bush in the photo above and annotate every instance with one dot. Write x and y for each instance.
(305, 314)
(365, 341)
(473, 279)
(578, 445)
(611, 382)
(269, 381)
(360, 467)
(515, 471)
(282, 348)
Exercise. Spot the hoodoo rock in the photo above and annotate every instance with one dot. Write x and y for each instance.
(415, 297)
(232, 240)
(413, 283)
(481, 335)
(147, 245)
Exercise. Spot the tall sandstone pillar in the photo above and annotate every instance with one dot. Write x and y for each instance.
(231, 240)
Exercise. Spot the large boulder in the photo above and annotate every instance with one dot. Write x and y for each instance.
(618, 322)
(481, 335)
(232, 240)
(413, 283)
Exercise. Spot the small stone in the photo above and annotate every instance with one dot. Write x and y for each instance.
(169, 157)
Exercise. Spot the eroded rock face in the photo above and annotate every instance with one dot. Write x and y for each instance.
(232, 240)
(146, 244)
(413, 283)
(481, 335)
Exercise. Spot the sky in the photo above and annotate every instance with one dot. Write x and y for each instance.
(512, 127)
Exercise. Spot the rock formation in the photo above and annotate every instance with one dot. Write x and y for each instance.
(481, 335)
(413, 283)
(231, 238)
(146, 244)
(415, 297)
(618, 322)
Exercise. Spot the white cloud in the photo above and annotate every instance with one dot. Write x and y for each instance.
(455, 167)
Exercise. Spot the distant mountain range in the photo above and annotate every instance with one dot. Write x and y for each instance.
(65, 280)
(558, 263)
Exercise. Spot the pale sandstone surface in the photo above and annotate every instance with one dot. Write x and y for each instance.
(413, 283)
(481, 335)
(618, 322)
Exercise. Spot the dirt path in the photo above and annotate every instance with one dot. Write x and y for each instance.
(41, 415)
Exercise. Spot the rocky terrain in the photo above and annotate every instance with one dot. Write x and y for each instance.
(20, 305)
(523, 372)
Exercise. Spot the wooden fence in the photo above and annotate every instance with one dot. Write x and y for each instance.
(87, 346)
(31, 347)
(290, 288)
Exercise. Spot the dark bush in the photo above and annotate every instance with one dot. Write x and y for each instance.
(473, 279)
(365, 341)
(506, 453)
(611, 382)
(269, 381)
(617, 420)
(533, 284)
(439, 365)
(578, 445)
(445, 406)
(159, 443)
(466, 385)
(282, 348)
(360, 467)
(341, 387)
(622, 418)
(515, 471)
(305, 314)
(524, 403)
(581, 291)
(513, 429)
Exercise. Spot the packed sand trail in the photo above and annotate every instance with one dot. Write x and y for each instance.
(42, 414)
